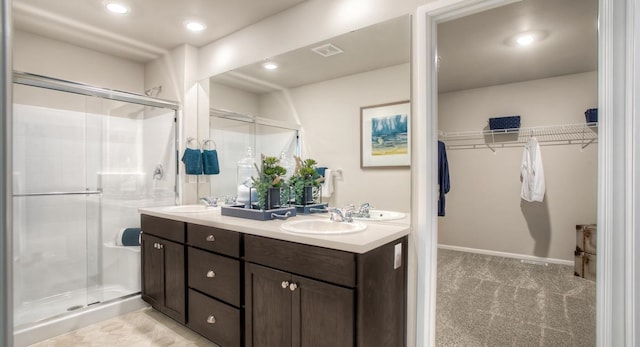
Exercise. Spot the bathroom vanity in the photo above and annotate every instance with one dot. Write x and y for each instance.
(242, 282)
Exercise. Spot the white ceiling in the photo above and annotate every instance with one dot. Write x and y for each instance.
(371, 48)
(473, 50)
(151, 28)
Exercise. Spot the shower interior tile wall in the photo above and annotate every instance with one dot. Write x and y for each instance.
(484, 210)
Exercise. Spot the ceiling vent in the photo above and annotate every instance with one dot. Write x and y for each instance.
(327, 50)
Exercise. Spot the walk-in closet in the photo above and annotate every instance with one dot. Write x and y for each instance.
(509, 273)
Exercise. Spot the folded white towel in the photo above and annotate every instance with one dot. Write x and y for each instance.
(327, 185)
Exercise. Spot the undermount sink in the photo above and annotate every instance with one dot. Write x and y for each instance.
(322, 227)
(189, 208)
(382, 215)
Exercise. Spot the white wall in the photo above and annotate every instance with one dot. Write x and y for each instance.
(44, 56)
(329, 113)
(484, 209)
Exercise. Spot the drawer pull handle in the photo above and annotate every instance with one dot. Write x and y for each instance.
(211, 274)
(211, 319)
(285, 284)
(211, 238)
(293, 287)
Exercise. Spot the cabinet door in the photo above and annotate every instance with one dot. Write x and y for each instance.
(152, 271)
(267, 307)
(163, 280)
(323, 314)
(174, 280)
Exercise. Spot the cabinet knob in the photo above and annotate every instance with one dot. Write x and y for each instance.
(293, 286)
(285, 284)
(156, 245)
(211, 319)
(211, 274)
(211, 238)
(160, 246)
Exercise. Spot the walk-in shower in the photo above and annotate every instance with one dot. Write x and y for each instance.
(84, 160)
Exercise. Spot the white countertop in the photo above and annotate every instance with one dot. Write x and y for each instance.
(375, 235)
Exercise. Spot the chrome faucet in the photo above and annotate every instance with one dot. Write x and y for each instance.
(347, 216)
(363, 210)
(210, 201)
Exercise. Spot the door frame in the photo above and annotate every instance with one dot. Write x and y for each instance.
(618, 167)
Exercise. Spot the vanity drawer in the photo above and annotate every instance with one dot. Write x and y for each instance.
(214, 239)
(214, 320)
(166, 228)
(321, 263)
(215, 275)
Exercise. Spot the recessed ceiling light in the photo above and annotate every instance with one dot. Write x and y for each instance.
(525, 40)
(117, 8)
(270, 65)
(195, 26)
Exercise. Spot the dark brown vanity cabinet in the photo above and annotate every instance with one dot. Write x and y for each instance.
(246, 290)
(214, 281)
(163, 266)
(287, 310)
(301, 295)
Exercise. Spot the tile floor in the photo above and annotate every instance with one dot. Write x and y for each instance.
(142, 328)
(481, 301)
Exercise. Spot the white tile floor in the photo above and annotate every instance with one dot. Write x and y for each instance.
(143, 328)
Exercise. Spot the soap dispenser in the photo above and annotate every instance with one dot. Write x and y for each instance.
(245, 171)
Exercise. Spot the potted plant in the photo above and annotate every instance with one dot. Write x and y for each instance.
(305, 181)
(269, 182)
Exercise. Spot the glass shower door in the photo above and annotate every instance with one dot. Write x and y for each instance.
(56, 211)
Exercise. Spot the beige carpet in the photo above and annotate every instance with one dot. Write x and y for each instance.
(494, 301)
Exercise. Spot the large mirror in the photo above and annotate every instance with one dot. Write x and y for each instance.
(310, 106)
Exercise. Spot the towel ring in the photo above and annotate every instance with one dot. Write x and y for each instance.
(207, 141)
(190, 140)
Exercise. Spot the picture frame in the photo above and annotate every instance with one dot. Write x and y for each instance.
(385, 139)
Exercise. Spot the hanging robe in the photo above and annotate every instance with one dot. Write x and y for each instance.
(443, 177)
(532, 173)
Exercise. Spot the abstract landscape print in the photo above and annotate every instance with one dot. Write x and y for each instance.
(385, 135)
(389, 135)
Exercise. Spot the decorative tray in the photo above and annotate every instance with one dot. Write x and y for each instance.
(256, 213)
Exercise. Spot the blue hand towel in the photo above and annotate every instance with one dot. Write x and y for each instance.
(210, 162)
(321, 170)
(192, 160)
(128, 237)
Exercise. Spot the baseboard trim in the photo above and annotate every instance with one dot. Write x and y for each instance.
(508, 255)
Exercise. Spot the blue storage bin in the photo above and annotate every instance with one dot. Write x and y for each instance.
(591, 115)
(502, 123)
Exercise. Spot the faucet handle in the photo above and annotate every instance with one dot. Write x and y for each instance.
(210, 201)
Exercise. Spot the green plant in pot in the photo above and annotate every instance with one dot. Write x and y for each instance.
(269, 182)
(305, 181)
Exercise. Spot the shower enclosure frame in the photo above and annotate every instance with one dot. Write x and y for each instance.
(57, 324)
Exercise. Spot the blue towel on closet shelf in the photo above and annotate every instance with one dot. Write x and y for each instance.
(128, 237)
(192, 159)
(210, 162)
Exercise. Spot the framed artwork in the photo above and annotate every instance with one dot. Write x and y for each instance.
(384, 135)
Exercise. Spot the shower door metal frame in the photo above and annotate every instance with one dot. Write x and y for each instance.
(6, 169)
